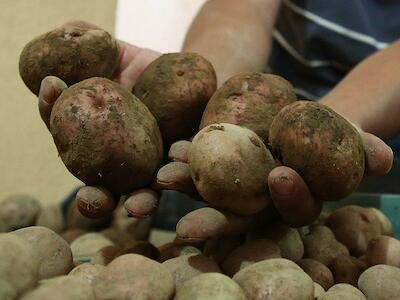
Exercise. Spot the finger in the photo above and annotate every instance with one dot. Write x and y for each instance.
(95, 201)
(50, 89)
(206, 223)
(292, 198)
(142, 203)
(176, 176)
(378, 155)
(179, 151)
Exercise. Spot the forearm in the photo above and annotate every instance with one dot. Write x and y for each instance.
(369, 95)
(234, 35)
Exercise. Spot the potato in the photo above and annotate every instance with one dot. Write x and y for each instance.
(383, 250)
(318, 272)
(318, 291)
(275, 278)
(106, 136)
(347, 269)
(85, 246)
(18, 211)
(380, 282)
(186, 267)
(288, 240)
(7, 291)
(51, 251)
(87, 271)
(52, 218)
(322, 146)
(61, 288)
(132, 276)
(94, 201)
(229, 165)
(105, 255)
(320, 244)
(18, 265)
(355, 226)
(210, 286)
(251, 100)
(219, 249)
(176, 88)
(343, 291)
(174, 249)
(72, 52)
(249, 253)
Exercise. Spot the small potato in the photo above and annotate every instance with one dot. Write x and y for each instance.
(347, 269)
(176, 88)
(229, 165)
(343, 291)
(51, 251)
(106, 136)
(61, 288)
(251, 100)
(380, 282)
(318, 291)
(275, 278)
(249, 253)
(383, 250)
(85, 246)
(354, 226)
(19, 211)
(52, 218)
(207, 286)
(87, 271)
(336, 166)
(18, 265)
(132, 276)
(318, 272)
(72, 52)
(320, 244)
(186, 267)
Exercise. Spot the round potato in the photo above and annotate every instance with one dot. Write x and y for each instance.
(322, 146)
(106, 136)
(72, 52)
(176, 88)
(229, 165)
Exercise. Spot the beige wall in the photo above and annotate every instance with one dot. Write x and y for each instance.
(28, 158)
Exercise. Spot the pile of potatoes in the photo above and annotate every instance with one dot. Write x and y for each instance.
(114, 140)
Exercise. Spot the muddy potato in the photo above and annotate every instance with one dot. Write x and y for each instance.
(51, 217)
(380, 282)
(19, 211)
(51, 251)
(229, 165)
(250, 253)
(343, 291)
(72, 52)
(336, 166)
(318, 272)
(347, 269)
(355, 226)
(133, 276)
(176, 88)
(275, 278)
(250, 100)
(106, 136)
(383, 250)
(210, 286)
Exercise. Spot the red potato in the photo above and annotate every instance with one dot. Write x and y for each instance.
(229, 165)
(250, 100)
(322, 146)
(176, 88)
(73, 52)
(106, 136)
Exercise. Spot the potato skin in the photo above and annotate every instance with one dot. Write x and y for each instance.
(380, 282)
(318, 272)
(322, 146)
(347, 269)
(176, 88)
(250, 100)
(343, 291)
(106, 136)
(383, 250)
(229, 165)
(72, 52)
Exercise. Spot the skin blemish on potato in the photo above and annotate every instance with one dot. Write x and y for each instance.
(216, 127)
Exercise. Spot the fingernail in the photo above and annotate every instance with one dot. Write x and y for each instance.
(283, 186)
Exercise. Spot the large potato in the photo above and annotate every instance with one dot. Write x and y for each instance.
(72, 52)
(207, 286)
(176, 88)
(250, 100)
(106, 136)
(322, 146)
(229, 165)
(380, 282)
(275, 279)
